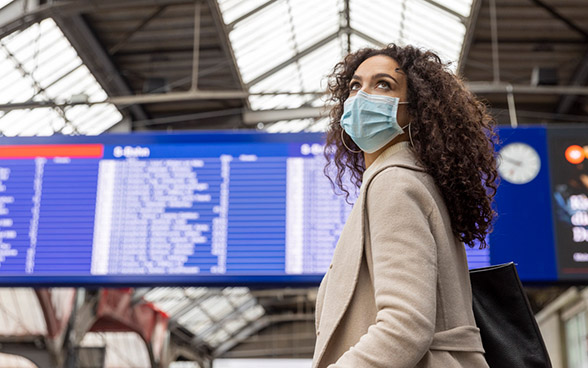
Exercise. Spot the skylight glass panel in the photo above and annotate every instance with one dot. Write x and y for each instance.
(39, 64)
(263, 41)
(309, 74)
(123, 349)
(286, 28)
(218, 338)
(217, 307)
(254, 313)
(432, 28)
(233, 9)
(235, 325)
(418, 23)
(290, 126)
(358, 42)
(21, 313)
(195, 321)
(285, 80)
(204, 311)
(320, 125)
(15, 361)
(3, 3)
(379, 19)
(313, 20)
(316, 66)
(463, 7)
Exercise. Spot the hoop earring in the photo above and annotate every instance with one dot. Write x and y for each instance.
(349, 149)
(410, 134)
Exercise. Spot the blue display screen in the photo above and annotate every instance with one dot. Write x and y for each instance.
(523, 231)
(169, 209)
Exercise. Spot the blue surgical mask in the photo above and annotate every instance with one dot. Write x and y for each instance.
(370, 120)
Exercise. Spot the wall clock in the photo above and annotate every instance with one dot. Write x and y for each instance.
(518, 163)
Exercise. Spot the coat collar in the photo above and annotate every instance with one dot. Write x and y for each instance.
(399, 154)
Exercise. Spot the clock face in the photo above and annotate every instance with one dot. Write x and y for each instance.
(518, 163)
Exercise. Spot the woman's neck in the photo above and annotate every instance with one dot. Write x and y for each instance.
(369, 158)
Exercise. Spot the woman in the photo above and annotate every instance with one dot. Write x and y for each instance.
(421, 146)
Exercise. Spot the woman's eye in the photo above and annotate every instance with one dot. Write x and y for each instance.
(354, 86)
(383, 85)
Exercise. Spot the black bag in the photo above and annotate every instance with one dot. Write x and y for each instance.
(510, 333)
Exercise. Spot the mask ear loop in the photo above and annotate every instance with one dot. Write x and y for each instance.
(349, 149)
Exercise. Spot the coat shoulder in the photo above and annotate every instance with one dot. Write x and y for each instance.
(399, 184)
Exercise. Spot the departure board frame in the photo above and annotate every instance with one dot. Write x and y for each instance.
(20, 148)
(122, 154)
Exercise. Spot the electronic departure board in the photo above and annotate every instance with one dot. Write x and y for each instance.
(169, 209)
(569, 183)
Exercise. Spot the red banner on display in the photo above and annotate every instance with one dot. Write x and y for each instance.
(52, 150)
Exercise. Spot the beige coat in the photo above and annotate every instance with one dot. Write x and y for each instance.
(397, 294)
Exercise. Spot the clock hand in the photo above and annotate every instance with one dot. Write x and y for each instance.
(516, 162)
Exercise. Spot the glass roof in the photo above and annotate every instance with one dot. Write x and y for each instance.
(122, 349)
(280, 46)
(39, 64)
(20, 313)
(212, 315)
(291, 45)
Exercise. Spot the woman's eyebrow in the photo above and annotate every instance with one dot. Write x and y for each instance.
(355, 76)
(380, 75)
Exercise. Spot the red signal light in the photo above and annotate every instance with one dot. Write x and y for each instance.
(575, 154)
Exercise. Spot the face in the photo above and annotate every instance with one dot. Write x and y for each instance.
(381, 75)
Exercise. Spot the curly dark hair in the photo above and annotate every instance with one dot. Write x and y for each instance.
(453, 135)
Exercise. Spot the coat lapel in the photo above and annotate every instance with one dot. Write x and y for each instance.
(344, 274)
(342, 277)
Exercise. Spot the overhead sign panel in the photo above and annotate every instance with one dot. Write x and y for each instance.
(168, 209)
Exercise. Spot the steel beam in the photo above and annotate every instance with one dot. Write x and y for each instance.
(231, 25)
(196, 47)
(256, 326)
(243, 334)
(41, 357)
(153, 98)
(177, 351)
(556, 41)
(16, 16)
(368, 38)
(96, 59)
(348, 28)
(85, 317)
(226, 44)
(193, 304)
(16, 9)
(127, 36)
(447, 10)
(295, 350)
(76, 6)
(580, 78)
(202, 115)
(502, 88)
(476, 87)
(295, 58)
(20, 14)
(235, 313)
(469, 36)
(494, 32)
(270, 116)
(512, 111)
(565, 20)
